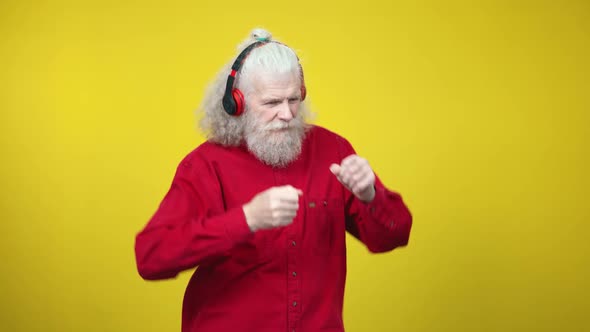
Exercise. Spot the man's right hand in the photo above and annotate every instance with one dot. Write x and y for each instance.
(274, 207)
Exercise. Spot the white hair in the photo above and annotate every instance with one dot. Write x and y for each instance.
(273, 58)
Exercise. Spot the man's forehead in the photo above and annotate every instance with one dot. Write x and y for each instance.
(269, 85)
(276, 79)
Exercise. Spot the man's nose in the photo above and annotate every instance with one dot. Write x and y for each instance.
(285, 111)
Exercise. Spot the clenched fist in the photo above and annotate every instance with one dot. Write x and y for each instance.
(357, 176)
(274, 207)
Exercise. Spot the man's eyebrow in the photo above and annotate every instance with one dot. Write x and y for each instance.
(271, 99)
(278, 99)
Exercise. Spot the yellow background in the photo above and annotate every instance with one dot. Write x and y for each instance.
(477, 112)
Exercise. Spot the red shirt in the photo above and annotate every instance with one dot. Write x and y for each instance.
(285, 279)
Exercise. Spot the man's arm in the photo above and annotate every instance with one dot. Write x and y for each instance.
(190, 226)
(375, 215)
(382, 224)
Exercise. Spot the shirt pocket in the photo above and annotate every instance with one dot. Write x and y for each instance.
(325, 225)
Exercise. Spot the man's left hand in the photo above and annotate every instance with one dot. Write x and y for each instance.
(357, 176)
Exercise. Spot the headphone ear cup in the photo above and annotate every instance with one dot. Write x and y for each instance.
(239, 100)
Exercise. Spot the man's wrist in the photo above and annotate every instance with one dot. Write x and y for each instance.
(249, 218)
(369, 196)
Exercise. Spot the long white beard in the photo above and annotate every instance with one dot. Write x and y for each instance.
(276, 143)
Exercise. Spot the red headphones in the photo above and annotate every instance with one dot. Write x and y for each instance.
(233, 99)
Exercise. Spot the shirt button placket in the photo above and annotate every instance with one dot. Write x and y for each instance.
(293, 284)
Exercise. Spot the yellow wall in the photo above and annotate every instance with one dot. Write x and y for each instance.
(476, 112)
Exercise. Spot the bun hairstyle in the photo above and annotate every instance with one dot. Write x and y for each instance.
(260, 35)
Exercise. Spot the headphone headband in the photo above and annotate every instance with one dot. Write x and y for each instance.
(244, 54)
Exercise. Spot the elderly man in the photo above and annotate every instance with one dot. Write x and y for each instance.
(262, 207)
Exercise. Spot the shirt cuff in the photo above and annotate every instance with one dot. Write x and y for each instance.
(236, 226)
(378, 210)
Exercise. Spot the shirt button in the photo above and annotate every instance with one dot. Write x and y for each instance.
(312, 204)
(325, 203)
(391, 224)
(294, 273)
(293, 243)
(295, 303)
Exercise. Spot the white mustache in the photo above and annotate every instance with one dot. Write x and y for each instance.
(282, 125)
